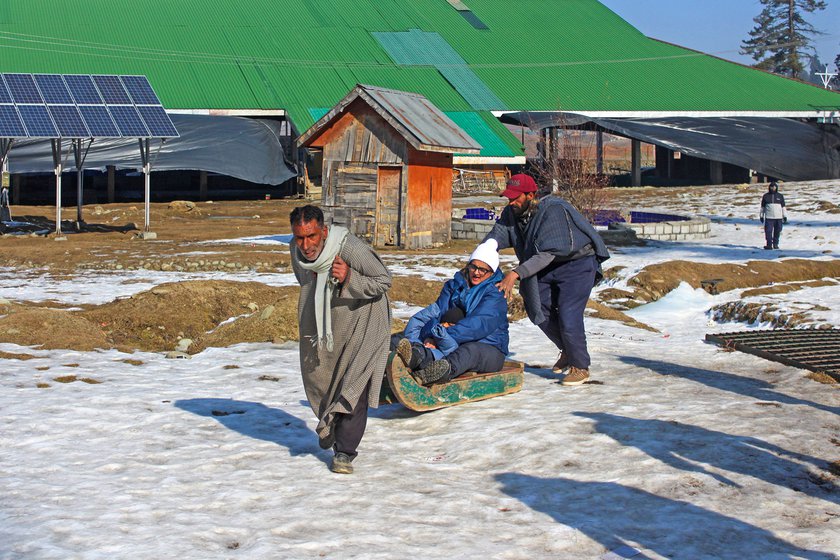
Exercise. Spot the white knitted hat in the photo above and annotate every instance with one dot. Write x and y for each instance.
(487, 253)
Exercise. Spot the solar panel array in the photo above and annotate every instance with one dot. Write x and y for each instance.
(81, 106)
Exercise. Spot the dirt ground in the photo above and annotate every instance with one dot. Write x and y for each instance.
(200, 312)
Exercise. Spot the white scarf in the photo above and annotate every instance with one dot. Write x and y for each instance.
(325, 283)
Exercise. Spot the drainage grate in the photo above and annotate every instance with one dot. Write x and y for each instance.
(813, 349)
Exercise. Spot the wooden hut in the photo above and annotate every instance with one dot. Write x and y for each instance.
(387, 166)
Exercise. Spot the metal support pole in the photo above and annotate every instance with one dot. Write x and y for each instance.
(145, 156)
(77, 153)
(56, 152)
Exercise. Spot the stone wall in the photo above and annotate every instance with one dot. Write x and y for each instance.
(696, 227)
(471, 229)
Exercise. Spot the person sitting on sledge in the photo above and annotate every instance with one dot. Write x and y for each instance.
(466, 329)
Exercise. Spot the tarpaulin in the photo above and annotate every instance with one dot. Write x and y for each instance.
(788, 149)
(244, 148)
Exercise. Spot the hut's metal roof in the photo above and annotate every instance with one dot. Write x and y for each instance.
(423, 125)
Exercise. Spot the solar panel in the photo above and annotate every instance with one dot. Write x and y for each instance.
(157, 121)
(4, 92)
(81, 106)
(10, 125)
(22, 88)
(53, 88)
(37, 121)
(140, 90)
(112, 90)
(99, 121)
(128, 121)
(69, 121)
(83, 90)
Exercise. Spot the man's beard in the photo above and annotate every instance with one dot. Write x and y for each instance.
(519, 211)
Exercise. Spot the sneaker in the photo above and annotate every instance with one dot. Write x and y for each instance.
(561, 365)
(342, 464)
(576, 376)
(435, 371)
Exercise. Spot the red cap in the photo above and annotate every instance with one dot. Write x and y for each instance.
(519, 184)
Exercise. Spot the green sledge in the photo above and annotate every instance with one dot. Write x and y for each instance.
(403, 388)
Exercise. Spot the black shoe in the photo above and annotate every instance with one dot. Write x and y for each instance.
(768, 246)
(435, 371)
(410, 354)
(404, 351)
(342, 463)
(775, 246)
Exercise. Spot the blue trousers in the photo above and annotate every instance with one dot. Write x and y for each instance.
(772, 232)
(564, 291)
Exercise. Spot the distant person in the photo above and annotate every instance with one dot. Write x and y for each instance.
(772, 215)
(560, 256)
(465, 329)
(345, 321)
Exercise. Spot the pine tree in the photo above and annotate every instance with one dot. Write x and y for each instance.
(780, 41)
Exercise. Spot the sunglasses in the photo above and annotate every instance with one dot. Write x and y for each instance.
(478, 269)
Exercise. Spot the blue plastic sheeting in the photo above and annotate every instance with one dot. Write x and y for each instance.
(247, 149)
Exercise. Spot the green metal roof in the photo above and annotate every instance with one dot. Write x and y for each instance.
(299, 55)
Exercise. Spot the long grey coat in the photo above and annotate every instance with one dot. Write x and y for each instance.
(361, 326)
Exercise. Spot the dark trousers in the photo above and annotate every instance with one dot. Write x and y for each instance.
(772, 232)
(349, 428)
(470, 356)
(564, 292)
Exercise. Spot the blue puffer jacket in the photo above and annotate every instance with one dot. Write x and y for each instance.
(485, 314)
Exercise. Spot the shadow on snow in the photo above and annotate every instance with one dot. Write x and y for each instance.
(755, 388)
(689, 448)
(259, 422)
(616, 515)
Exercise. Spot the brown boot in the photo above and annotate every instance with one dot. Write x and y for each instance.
(576, 376)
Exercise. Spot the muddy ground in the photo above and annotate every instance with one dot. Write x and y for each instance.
(188, 235)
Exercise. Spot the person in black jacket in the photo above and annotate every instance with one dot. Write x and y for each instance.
(560, 256)
(772, 215)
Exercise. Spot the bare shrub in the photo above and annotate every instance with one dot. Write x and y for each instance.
(568, 170)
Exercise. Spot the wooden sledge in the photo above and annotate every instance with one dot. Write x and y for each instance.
(470, 387)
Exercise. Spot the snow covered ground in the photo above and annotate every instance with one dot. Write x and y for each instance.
(678, 450)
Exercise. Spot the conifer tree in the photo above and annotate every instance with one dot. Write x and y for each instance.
(780, 40)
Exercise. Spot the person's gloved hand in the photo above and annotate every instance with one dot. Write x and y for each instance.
(761, 220)
(784, 220)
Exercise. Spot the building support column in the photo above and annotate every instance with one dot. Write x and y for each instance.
(599, 152)
(15, 189)
(111, 183)
(202, 185)
(716, 172)
(636, 162)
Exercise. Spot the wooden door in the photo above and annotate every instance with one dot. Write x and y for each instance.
(388, 197)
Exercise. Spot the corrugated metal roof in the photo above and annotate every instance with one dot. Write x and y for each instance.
(422, 124)
(571, 55)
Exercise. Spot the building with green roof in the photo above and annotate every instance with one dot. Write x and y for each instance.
(476, 60)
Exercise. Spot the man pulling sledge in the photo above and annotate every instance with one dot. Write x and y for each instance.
(344, 321)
